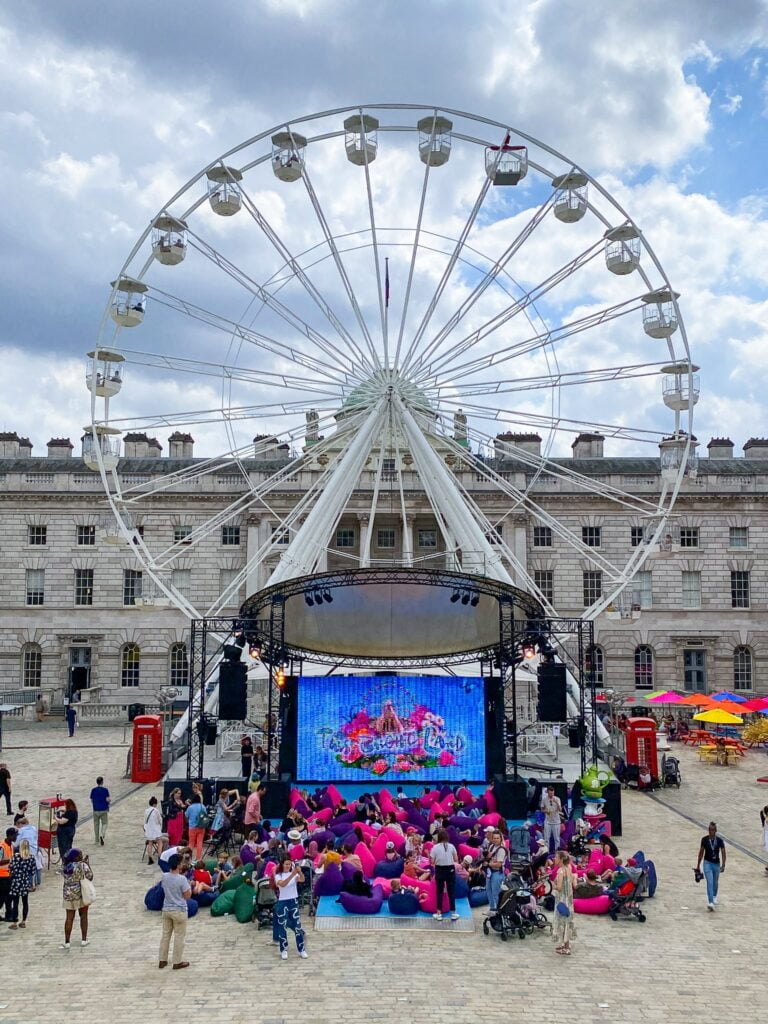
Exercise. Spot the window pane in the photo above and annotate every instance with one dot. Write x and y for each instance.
(636, 536)
(594, 661)
(132, 582)
(738, 537)
(592, 536)
(83, 586)
(37, 535)
(32, 666)
(86, 536)
(230, 536)
(739, 589)
(182, 581)
(592, 586)
(542, 537)
(427, 538)
(345, 538)
(179, 665)
(180, 533)
(742, 669)
(689, 536)
(129, 665)
(385, 538)
(691, 589)
(643, 586)
(35, 586)
(280, 534)
(643, 668)
(388, 469)
(545, 581)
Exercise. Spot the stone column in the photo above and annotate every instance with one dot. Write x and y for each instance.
(365, 525)
(408, 540)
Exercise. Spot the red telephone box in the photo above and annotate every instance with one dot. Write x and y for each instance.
(46, 823)
(147, 749)
(641, 748)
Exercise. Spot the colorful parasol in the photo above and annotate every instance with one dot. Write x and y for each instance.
(718, 717)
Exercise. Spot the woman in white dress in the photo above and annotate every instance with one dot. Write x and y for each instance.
(563, 929)
(153, 830)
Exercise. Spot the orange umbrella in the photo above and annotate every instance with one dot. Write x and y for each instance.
(697, 700)
(728, 705)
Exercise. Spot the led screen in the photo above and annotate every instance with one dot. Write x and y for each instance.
(398, 729)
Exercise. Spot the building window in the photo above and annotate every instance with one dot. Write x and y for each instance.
(130, 663)
(37, 536)
(179, 666)
(388, 469)
(689, 536)
(691, 589)
(592, 536)
(427, 538)
(181, 580)
(280, 534)
(345, 538)
(742, 669)
(496, 535)
(385, 538)
(32, 665)
(86, 536)
(592, 586)
(35, 586)
(643, 587)
(181, 534)
(643, 667)
(739, 589)
(695, 671)
(83, 586)
(544, 579)
(594, 662)
(131, 586)
(636, 536)
(230, 536)
(542, 536)
(738, 537)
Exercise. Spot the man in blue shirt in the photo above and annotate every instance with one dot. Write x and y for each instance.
(100, 802)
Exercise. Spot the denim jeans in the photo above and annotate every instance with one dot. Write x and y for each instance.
(492, 886)
(712, 877)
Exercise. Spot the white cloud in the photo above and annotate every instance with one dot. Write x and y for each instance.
(732, 103)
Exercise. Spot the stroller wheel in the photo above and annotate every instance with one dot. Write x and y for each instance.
(614, 915)
(541, 921)
(486, 928)
(521, 933)
(642, 918)
(503, 936)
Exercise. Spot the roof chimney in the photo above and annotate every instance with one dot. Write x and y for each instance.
(756, 448)
(588, 446)
(525, 442)
(180, 446)
(25, 448)
(265, 447)
(136, 446)
(9, 445)
(154, 448)
(60, 448)
(720, 448)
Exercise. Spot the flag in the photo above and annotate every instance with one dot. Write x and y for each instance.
(386, 283)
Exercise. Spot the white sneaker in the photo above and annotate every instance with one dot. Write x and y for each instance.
(84, 942)
(438, 916)
(284, 955)
(303, 954)
(710, 906)
(714, 901)
(64, 945)
(454, 916)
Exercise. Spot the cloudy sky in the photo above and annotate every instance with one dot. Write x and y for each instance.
(107, 112)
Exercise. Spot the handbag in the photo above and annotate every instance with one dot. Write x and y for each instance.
(562, 909)
(87, 891)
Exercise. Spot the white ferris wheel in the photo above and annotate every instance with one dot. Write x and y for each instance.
(375, 280)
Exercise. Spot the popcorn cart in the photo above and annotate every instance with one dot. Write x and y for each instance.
(46, 825)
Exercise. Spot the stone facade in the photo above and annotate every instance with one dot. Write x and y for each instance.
(55, 534)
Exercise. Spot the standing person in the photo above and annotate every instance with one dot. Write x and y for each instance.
(6, 852)
(29, 833)
(712, 850)
(193, 814)
(153, 830)
(259, 761)
(495, 862)
(100, 801)
(764, 823)
(287, 877)
(246, 757)
(71, 716)
(5, 786)
(23, 876)
(444, 857)
(66, 823)
(176, 892)
(564, 928)
(253, 807)
(222, 817)
(76, 868)
(552, 810)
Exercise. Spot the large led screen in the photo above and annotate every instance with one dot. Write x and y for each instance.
(401, 728)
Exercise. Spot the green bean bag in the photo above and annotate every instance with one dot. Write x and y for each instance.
(237, 878)
(243, 903)
(223, 904)
(211, 865)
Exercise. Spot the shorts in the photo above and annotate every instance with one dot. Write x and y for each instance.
(74, 904)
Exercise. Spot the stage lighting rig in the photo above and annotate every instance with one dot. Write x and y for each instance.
(233, 652)
(455, 596)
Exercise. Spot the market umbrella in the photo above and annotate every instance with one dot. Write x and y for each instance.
(719, 717)
(696, 700)
(670, 697)
(653, 694)
(758, 704)
(728, 705)
(727, 695)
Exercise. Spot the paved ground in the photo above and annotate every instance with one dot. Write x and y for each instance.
(682, 964)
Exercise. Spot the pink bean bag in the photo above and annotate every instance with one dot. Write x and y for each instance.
(434, 810)
(386, 886)
(490, 800)
(370, 834)
(297, 852)
(379, 848)
(464, 796)
(401, 815)
(594, 905)
(429, 905)
(396, 837)
(334, 794)
(322, 817)
(492, 818)
(386, 803)
(270, 869)
(429, 798)
(471, 851)
(294, 797)
(367, 859)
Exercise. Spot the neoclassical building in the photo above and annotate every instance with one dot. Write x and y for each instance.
(75, 606)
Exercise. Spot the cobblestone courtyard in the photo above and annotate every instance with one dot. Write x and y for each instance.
(683, 963)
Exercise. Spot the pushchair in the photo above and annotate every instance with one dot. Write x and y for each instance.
(520, 850)
(670, 772)
(221, 841)
(517, 911)
(266, 898)
(625, 903)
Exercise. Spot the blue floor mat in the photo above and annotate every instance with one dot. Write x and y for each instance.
(328, 907)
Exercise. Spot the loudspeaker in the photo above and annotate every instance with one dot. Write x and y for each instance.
(511, 799)
(288, 712)
(612, 806)
(206, 730)
(494, 728)
(233, 702)
(552, 705)
(274, 803)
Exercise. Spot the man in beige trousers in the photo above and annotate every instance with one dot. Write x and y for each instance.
(176, 892)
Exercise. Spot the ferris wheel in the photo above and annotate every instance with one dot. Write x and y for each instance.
(402, 291)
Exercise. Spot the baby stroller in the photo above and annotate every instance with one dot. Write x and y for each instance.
(670, 772)
(517, 911)
(625, 903)
(266, 898)
(221, 841)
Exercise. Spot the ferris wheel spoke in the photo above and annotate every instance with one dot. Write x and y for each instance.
(569, 379)
(214, 415)
(552, 336)
(359, 359)
(267, 298)
(518, 306)
(487, 279)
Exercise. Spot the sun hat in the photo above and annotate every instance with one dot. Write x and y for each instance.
(390, 845)
(489, 828)
(294, 835)
(466, 859)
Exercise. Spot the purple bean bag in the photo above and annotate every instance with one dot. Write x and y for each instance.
(403, 904)
(323, 837)
(389, 868)
(154, 898)
(462, 821)
(348, 870)
(329, 883)
(205, 899)
(362, 904)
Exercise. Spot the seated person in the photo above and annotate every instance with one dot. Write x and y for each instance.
(401, 898)
(464, 868)
(412, 869)
(391, 822)
(357, 885)
(349, 855)
(413, 841)
(201, 880)
(224, 868)
(391, 853)
(183, 851)
(589, 887)
(340, 808)
(440, 822)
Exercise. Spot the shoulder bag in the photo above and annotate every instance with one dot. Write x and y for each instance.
(87, 891)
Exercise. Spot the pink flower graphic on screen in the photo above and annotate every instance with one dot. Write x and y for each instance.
(380, 766)
(418, 715)
(446, 759)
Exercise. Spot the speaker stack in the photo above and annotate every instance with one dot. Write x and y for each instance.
(552, 703)
(233, 691)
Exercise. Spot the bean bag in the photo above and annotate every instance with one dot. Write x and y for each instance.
(386, 803)
(223, 904)
(324, 816)
(205, 899)
(192, 907)
(341, 829)
(435, 810)
(430, 903)
(593, 905)
(385, 884)
(461, 821)
(389, 868)
(652, 878)
(490, 800)
(297, 852)
(154, 898)
(237, 878)
(362, 904)
(294, 797)
(464, 796)
(401, 815)
(247, 855)
(379, 847)
(325, 802)
(428, 798)
(324, 837)
(269, 869)
(392, 835)
(366, 859)
(242, 904)
(468, 851)
(478, 898)
(303, 808)
(403, 904)
(462, 888)
(334, 794)
(491, 818)
(210, 865)
(348, 870)
(329, 883)
(369, 834)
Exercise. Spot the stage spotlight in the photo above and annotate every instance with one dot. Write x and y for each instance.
(545, 647)
(239, 638)
(255, 651)
(280, 678)
(455, 596)
(465, 597)
(327, 596)
(232, 652)
(309, 599)
(528, 649)
(474, 600)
